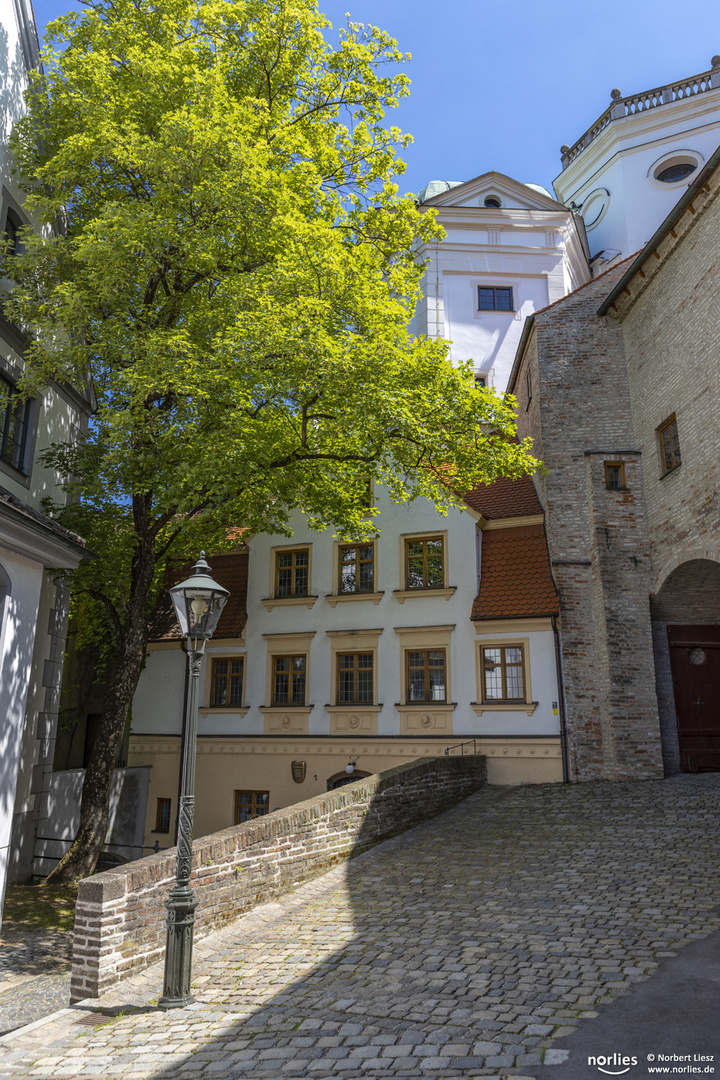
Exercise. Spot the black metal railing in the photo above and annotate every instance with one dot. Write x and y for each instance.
(461, 746)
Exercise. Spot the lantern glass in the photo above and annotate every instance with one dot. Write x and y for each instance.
(199, 602)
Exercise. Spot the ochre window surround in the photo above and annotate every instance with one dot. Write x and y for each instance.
(227, 681)
(286, 645)
(424, 639)
(425, 562)
(292, 573)
(503, 673)
(356, 568)
(355, 564)
(668, 445)
(290, 577)
(426, 676)
(424, 566)
(348, 643)
(509, 665)
(289, 679)
(355, 678)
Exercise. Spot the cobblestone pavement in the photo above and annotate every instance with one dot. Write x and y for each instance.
(464, 948)
(34, 975)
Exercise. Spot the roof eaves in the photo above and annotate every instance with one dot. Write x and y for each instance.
(520, 351)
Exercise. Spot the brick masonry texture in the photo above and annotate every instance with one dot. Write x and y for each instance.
(579, 416)
(467, 947)
(671, 332)
(120, 914)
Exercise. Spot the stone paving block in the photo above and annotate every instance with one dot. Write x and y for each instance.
(391, 976)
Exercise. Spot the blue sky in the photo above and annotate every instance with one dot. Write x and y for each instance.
(503, 85)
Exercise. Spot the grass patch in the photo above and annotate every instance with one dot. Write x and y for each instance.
(39, 907)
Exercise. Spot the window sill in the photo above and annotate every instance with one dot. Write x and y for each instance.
(290, 707)
(670, 471)
(340, 598)
(235, 710)
(288, 601)
(353, 707)
(423, 706)
(401, 595)
(528, 707)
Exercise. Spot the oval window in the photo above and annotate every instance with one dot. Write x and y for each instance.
(696, 655)
(492, 201)
(673, 173)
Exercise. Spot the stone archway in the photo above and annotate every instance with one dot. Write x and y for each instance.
(686, 639)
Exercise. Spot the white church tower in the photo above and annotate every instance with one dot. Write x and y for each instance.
(627, 171)
(510, 249)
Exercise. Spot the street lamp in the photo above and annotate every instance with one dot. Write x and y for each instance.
(198, 602)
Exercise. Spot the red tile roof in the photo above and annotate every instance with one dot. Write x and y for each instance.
(515, 579)
(230, 571)
(505, 498)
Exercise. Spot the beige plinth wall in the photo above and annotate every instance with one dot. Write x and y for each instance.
(254, 763)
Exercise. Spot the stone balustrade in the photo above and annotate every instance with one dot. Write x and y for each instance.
(637, 103)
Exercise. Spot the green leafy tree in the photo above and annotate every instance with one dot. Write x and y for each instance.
(226, 255)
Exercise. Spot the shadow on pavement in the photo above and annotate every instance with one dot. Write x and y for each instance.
(474, 944)
(666, 1026)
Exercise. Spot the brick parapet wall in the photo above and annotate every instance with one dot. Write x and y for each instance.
(120, 914)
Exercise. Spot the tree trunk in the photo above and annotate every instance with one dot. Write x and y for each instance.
(80, 860)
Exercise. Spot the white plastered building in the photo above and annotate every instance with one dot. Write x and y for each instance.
(627, 171)
(33, 604)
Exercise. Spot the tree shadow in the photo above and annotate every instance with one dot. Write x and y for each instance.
(467, 943)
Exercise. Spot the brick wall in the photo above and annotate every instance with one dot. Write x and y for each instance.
(120, 914)
(671, 334)
(580, 417)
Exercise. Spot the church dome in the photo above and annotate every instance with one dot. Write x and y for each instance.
(437, 187)
(541, 189)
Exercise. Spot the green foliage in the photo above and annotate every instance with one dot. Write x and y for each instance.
(226, 255)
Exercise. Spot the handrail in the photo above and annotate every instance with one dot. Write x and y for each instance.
(470, 742)
(636, 103)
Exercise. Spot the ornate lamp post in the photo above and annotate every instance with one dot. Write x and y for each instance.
(198, 602)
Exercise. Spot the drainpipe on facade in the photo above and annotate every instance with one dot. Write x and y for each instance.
(561, 702)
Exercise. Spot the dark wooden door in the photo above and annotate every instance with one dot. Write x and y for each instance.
(695, 666)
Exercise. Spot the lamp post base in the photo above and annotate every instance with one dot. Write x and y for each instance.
(178, 955)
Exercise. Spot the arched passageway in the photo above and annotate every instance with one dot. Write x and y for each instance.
(686, 635)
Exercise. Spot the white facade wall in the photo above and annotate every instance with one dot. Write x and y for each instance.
(32, 605)
(20, 584)
(623, 159)
(530, 244)
(249, 747)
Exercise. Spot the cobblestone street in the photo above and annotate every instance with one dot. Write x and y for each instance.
(34, 975)
(463, 948)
